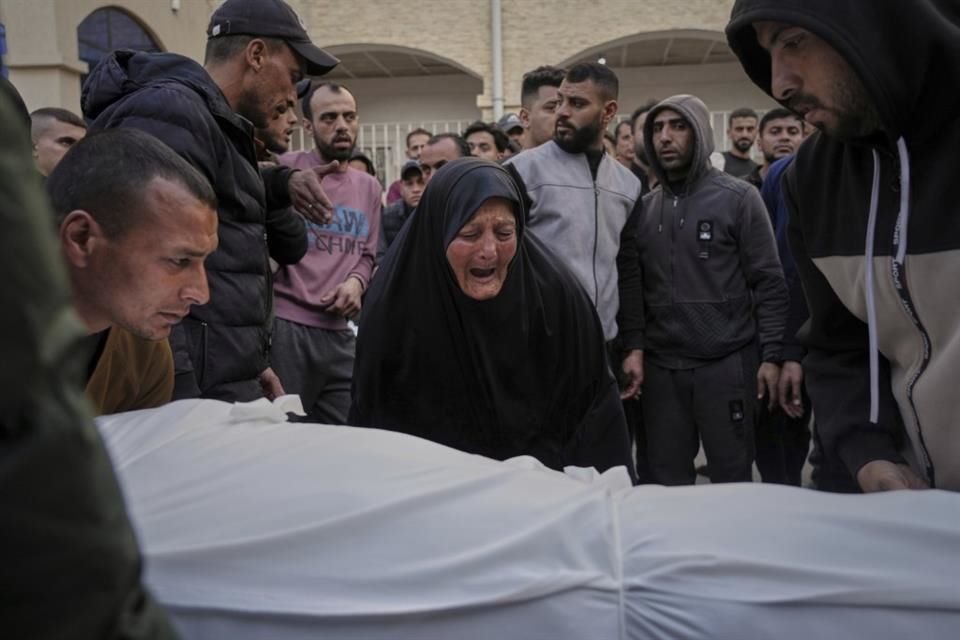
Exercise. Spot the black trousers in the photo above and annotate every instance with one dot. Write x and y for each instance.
(633, 412)
(782, 444)
(713, 402)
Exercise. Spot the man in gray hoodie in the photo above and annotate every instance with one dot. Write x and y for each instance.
(715, 303)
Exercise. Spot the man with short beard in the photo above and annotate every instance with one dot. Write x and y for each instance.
(742, 132)
(274, 138)
(257, 51)
(585, 206)
(873, 226)
(781, 132)
(538, 111)
(312, 344)
(715, 303)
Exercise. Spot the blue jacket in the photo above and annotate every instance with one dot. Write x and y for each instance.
(779, 217)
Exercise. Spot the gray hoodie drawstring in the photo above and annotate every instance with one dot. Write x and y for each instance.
(903, 220)
(871, 299)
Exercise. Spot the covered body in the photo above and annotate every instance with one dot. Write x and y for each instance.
(257, 528)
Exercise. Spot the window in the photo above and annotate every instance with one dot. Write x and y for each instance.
(106, 30)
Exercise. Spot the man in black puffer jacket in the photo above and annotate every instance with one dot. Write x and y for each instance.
(256, 53)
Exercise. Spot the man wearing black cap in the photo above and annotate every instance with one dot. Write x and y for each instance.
(257, 52)
(396, 214)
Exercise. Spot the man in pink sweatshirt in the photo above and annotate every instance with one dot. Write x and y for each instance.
(313, 348)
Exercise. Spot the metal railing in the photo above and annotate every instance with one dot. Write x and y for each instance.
(385, 143)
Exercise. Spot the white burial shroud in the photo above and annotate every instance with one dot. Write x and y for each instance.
(253, 527)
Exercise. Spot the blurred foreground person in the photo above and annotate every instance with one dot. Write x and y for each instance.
(71, 567)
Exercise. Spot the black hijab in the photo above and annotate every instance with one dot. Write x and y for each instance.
(522, 373)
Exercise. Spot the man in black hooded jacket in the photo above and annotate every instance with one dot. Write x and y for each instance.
(257, 52)
(872, 225)
(714, 301)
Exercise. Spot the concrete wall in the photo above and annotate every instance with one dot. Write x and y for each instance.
(723, 87)
(433, 98)
(42, 41)
(43, 59)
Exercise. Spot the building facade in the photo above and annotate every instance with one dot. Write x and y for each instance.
(439, 64)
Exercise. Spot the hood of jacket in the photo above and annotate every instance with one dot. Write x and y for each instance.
(124, 72)
(905, 53)
(695, 112)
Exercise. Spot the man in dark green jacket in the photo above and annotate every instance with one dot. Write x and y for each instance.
(71, 566)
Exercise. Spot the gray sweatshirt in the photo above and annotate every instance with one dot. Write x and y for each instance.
(585, 222)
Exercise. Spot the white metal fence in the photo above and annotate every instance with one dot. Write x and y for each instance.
(385, 143)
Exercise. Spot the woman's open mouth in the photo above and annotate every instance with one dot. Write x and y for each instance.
(482, 274)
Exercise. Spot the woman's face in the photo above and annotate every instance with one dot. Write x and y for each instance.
(482, 250)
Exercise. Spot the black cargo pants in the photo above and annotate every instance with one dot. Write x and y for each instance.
(714, 402)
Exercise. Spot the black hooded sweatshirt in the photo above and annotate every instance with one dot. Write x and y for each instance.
(224, 342)
(523, 373)
(712, 281)
(883, 360)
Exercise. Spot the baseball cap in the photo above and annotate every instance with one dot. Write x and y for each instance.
(509, 122)
(270, 19)
(408, 167)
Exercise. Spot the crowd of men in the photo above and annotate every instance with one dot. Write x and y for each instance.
(751, 308)
(682, 249)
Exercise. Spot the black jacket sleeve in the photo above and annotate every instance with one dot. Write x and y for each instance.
(286, 230)
(837, 369)
(793, 349)
(382, 240)
(286, 235)
(630, 284)
(761, 267)
(276, 182)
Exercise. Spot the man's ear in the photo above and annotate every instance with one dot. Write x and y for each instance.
(610, 109)
(524, 117)
(79, 235)
(307, 125)
(255, 54)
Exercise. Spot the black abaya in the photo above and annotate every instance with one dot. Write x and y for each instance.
(522, 373)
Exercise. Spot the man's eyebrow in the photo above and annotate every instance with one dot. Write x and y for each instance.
(189, 252)
(777, 34)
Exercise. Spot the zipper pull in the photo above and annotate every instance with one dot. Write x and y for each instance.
(676, 199)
